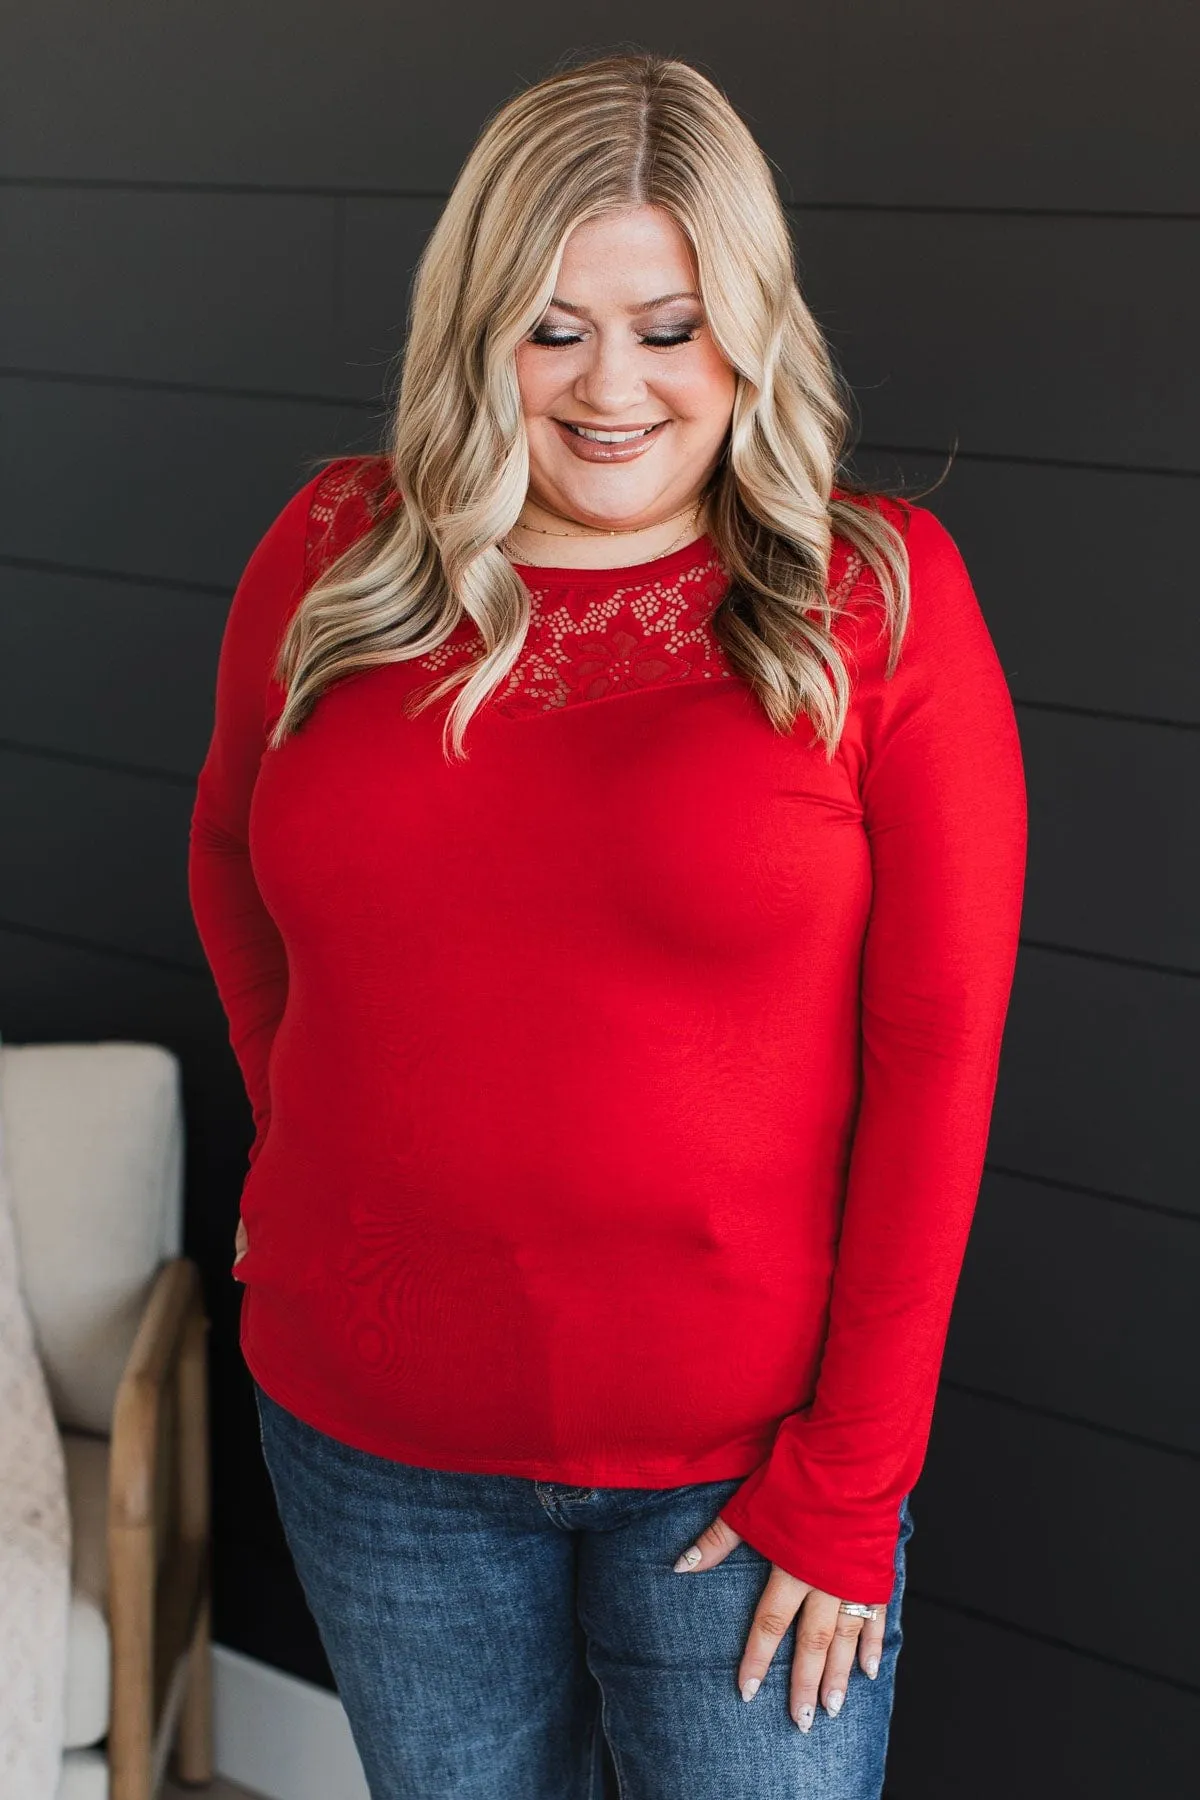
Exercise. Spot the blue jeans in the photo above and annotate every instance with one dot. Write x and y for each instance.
(488, 1632)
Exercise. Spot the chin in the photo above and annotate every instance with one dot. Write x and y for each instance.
(606, 495)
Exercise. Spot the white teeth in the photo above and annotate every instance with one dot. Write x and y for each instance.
(610, 437)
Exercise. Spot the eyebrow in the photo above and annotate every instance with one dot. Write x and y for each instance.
(642, 306)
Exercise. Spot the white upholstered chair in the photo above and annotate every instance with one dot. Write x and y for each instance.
(93, 1134)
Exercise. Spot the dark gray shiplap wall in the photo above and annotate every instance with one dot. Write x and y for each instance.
(208, 218)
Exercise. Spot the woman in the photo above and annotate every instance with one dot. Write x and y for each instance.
(622, 1037)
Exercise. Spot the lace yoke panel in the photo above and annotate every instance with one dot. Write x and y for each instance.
(587, 645)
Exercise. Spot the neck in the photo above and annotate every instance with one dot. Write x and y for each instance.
(561, 541)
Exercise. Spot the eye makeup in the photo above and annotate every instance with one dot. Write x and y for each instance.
(665, 338)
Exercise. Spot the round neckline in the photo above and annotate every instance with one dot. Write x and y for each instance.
(654, 566)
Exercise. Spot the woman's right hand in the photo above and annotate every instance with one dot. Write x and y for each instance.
(241, 1242)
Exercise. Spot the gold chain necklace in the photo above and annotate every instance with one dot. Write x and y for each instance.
(692, 511)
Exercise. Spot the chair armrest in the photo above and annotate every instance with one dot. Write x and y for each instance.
(174, 1299)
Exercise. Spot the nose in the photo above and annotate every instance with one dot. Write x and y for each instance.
(611, 384)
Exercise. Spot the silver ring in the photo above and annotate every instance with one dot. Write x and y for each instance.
(859, 1612)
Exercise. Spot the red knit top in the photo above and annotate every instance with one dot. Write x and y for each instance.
(621, 1093)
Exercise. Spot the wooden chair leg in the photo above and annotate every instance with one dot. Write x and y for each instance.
(193, 1743)
(193, 1737)
(131, 1614)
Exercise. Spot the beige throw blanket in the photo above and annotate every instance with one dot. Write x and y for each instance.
(35, 1545)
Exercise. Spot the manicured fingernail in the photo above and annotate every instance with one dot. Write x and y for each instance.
(872, 1666)
(688, 1560)
(750, 1687)
(804, 1718)
(833, 1703)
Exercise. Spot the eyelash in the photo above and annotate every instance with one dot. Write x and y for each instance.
(661, 342)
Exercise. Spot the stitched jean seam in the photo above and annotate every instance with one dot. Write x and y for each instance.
(616, 1754)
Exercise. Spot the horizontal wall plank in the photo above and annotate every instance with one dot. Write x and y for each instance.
(983, 1713)
(98, 855)
(1072, 103)
(177, 487)
(1037, 105)
(1062, 1530)
(383, 238)
(214, 289)
(1114, 837)
(1084, 577)
(1002, 333)
(69, 643)
(229, 290)
(1081, 1306)
(1097, 1082)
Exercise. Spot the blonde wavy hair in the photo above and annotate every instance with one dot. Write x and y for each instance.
(614, 132)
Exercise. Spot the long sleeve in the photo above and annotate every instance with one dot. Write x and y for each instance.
(943, 795)
(244, 949)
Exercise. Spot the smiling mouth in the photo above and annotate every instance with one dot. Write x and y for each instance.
(595, 436)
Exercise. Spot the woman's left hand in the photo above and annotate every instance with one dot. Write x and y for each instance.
(827, 1641)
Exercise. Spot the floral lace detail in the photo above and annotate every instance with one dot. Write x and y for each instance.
(841, 589)
(350, 495)
(641, 635)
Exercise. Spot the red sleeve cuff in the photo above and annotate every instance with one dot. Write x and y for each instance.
(849, 1551)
